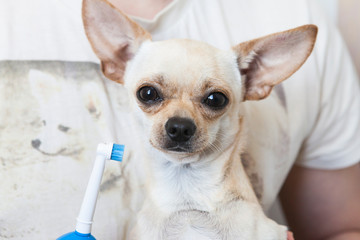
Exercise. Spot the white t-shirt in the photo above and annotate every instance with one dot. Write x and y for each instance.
(311, 119)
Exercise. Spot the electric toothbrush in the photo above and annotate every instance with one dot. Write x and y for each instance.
(105, 151)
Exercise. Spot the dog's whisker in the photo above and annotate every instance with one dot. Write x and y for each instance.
(215, 147)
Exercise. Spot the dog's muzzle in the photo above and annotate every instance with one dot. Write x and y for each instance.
(180, 131)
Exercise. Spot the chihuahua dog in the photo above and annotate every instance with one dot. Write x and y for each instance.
(186, 97)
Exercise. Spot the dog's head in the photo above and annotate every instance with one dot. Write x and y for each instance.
(186, 93)
(63, 111)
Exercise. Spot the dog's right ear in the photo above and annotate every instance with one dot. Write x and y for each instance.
(114, 37)
(44, 86)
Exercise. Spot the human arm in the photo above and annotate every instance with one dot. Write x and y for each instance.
(323, 204)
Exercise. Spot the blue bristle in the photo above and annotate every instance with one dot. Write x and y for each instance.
(117, 152)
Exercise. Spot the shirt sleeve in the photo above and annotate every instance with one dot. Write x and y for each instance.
(334, 141)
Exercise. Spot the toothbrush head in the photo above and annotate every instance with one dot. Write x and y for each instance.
(117, 152)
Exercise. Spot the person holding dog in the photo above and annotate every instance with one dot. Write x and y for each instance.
(304, 148)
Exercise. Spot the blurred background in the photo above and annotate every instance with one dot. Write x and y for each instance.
(346, 15)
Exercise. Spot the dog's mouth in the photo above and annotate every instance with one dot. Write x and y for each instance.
(61, 152)
(180, 149)
(172, 147)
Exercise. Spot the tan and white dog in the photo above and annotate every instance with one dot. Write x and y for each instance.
(187, 99)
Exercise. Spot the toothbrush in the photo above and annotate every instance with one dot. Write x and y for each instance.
(105, 151)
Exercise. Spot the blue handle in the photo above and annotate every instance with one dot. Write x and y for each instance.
(76, 236)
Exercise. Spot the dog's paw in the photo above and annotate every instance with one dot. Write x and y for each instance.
(290, 236)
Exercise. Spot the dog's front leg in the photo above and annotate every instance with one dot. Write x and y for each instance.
(150, 223)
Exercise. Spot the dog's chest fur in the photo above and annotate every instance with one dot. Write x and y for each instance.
(198, 202)
(187, 187)
(191, 224)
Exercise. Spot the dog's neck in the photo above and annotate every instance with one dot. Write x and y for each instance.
(202, 185)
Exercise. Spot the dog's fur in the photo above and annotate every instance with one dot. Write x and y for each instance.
(196, 188)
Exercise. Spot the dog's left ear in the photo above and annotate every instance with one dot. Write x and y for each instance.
(114, 37)
(267, 61)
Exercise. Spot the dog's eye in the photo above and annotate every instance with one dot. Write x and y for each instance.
(216, 100)
(148, 95)
(63, 128)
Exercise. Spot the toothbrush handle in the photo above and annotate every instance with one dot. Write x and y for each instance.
(84, 220)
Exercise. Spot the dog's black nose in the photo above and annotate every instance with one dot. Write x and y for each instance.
(180, 129)
(36, 143)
